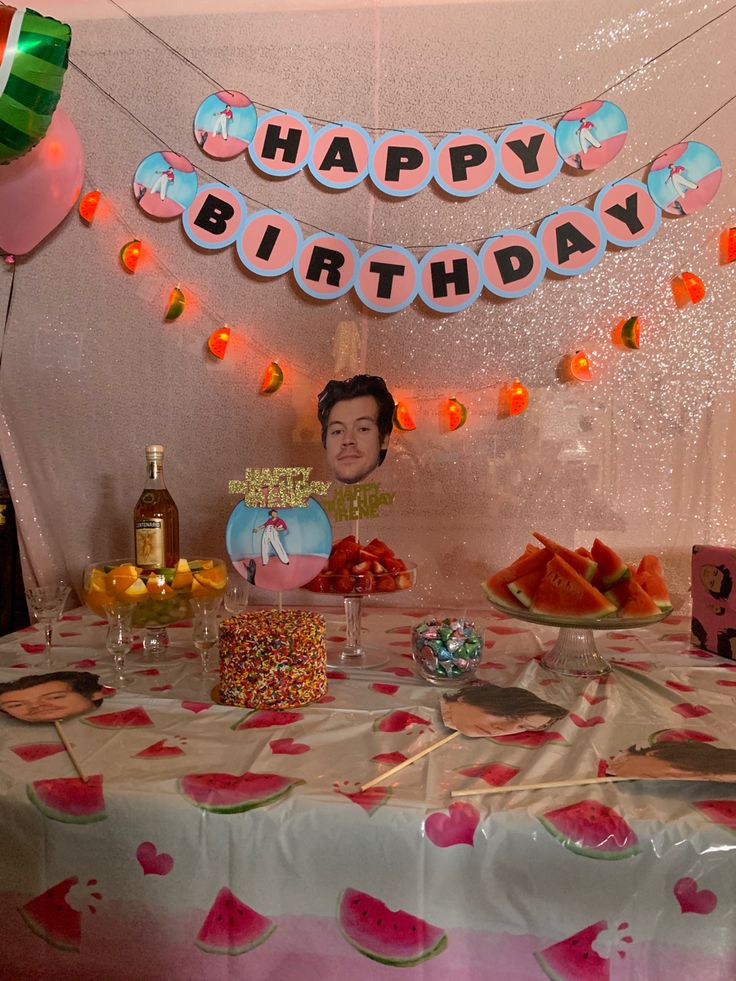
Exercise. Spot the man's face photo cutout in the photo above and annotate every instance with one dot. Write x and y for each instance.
(51, 697)
(356, 416)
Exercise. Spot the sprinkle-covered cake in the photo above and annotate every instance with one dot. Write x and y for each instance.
(273, 659)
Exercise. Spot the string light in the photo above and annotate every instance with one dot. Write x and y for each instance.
(728, 244)
(579, 366)
(218, 341)
(177, 302)
(130, 254)
(456, 413)
(688, 286)
(627, 333)
(402, 418)
(88, 206)
(518, 398)
(272, 379)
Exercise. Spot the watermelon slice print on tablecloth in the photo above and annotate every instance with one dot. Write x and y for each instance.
(494, 774)
(159, 751)
(288, 747)
(131, 718)
(576, 959)
(679, 736)
(390, 759)
(395, 938)
(69, 799)
(30, 752)
(722, 812)
(456, 828)
(52, 917)
(231, 927)
(230, 793)
(532, 739)
(398, 721)
(592, 829)
(370, 800)
(265, 718)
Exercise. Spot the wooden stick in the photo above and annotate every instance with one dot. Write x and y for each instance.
(280, 596)
(509, 788)
(70, 751)
(412, 759)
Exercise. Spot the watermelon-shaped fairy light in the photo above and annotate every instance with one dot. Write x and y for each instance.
(272, 378)
(688, 287)
(728, 244)
(402, 418)
(218, 341)
(88, 206)
(518, 398)
(579, 367)
(627, 333)
(130, 254)
(456, 414)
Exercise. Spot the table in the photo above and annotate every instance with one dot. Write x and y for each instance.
(487, 872)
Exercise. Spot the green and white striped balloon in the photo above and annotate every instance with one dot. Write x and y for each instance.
(34, 54)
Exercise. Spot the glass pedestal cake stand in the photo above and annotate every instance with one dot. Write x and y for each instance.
(575, 652)
(353, 654)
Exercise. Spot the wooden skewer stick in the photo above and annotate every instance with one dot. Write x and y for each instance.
(509, 788)
(412, 759)
(70, 751)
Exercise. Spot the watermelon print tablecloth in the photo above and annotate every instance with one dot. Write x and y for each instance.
(210, 845)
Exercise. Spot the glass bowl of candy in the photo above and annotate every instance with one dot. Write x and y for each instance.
(446, 652)
(158, 596)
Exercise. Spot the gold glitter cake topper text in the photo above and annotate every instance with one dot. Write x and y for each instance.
(356, 501)
(277, 487)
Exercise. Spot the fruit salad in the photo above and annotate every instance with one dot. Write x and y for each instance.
(160, 596)
(356, 568)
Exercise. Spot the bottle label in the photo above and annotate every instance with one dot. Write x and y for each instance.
(149, 542)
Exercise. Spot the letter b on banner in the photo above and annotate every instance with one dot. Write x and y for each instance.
(214, 217)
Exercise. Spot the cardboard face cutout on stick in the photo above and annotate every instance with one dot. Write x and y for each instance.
(492, 710)
(675, 760)
(356, 416)
(51, 697)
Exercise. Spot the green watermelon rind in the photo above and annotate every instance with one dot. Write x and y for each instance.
(549, 971)
(46, 934)
(217, 912)
(51, 933)
(573, 846)
(241, 807)
(54, 814)
(425, 955)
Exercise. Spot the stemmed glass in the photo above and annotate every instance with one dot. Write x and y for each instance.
(119, 639)
(46, 603)
(206, 631)
(237, 595)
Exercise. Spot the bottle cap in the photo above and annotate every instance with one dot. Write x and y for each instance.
(154, 449)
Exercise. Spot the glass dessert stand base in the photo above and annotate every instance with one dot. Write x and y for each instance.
(352, 653)
(574, 652)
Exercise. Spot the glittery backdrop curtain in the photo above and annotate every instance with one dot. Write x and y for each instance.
(90, 373)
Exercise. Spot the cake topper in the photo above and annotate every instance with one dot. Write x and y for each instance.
(493, 710)
(356, 416)
(355, 501)
(276, 487)
(51, 697)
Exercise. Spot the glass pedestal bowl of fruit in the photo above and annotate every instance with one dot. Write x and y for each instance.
(579, 592)
(354, 571)
(159, 597)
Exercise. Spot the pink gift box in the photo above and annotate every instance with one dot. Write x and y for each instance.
(714, 599)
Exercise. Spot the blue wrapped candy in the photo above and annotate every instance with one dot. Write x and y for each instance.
(448, 651)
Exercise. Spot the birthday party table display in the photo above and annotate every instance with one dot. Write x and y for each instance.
(235, 843)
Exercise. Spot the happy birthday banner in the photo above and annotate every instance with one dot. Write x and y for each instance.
(449, 278)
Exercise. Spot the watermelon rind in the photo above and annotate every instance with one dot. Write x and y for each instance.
(52, 919)
(356, 932)
(561, 825)
(219, 937)
(195, 790)
(47, 796)
(576, 959)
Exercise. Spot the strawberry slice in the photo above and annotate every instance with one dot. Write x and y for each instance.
(377, 568)
(360, 568)
(338, 560)
(364, 583)
(385, 584)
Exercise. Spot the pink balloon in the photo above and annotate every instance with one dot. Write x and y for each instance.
(39, 189)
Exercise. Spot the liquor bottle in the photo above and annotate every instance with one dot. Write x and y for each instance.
(156, 517)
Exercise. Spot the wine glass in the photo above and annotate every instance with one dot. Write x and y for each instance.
(237, 596)
(119, 639)
(46, 603)
(206, 631)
